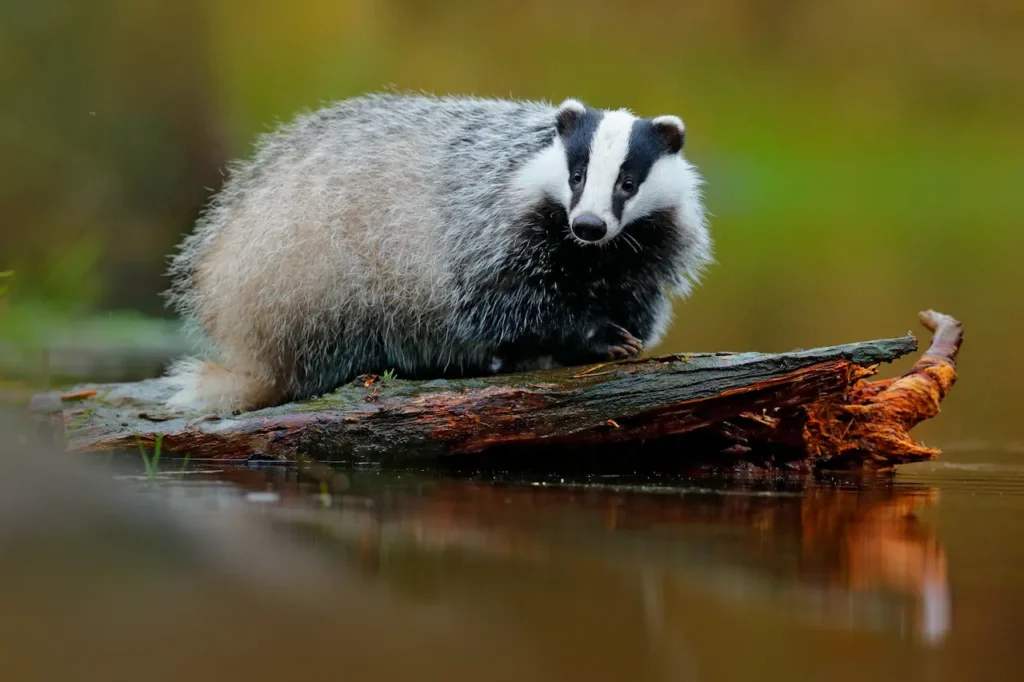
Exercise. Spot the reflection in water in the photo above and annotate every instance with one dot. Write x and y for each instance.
(435, 578)
(856, 558)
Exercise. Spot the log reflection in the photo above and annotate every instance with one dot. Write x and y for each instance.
(842, 557)
(409, 577)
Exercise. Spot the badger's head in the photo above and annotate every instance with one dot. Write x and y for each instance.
(611, 169)
(620, 168)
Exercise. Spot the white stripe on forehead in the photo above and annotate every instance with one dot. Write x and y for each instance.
(608, 151)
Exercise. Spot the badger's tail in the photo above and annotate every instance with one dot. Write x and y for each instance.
(201, 385)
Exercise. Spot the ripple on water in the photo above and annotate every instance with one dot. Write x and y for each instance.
(979, 478)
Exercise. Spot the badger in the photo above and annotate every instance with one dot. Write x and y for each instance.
(435, 236)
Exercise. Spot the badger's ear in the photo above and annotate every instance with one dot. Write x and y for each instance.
(570, 112)
(672, 131)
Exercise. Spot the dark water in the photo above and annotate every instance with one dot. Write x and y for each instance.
(213, 571)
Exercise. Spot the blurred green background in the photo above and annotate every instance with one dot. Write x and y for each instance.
(864, 158)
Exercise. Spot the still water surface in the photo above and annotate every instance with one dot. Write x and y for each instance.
(216, 571)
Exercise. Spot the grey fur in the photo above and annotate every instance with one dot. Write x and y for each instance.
(369, 235)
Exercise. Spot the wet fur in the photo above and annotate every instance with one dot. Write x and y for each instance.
(428, 235)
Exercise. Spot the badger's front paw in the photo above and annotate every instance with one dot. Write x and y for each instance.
(618, 343)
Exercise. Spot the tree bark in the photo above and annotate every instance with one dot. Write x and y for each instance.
(804, 410)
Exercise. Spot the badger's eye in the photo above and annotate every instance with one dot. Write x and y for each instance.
(577, 177)
(628, 186)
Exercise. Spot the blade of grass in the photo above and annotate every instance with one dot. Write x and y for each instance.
(156, 451)
(150, 463)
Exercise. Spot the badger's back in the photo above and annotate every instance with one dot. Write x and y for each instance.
(335, 245)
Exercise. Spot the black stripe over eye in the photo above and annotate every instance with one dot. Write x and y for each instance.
(576, 178)
(628, 186)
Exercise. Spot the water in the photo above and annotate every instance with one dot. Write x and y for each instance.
(216, 571)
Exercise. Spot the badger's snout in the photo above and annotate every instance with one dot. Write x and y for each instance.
(589, 228)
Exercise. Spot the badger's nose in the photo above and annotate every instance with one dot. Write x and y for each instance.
(589, 227)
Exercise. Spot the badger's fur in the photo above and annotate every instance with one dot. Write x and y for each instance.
(436, 236)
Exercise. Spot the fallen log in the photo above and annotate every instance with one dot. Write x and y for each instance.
(804, 410)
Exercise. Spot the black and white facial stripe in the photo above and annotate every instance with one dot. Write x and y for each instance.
(620, 168)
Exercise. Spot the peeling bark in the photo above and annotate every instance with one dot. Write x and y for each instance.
(871, 425)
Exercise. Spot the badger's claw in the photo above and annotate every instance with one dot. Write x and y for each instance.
(622, 345)
(618, 352)
(631, 341)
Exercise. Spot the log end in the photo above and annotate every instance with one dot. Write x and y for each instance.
(870, 427)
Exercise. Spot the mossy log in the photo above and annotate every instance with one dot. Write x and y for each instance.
(804, 410)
